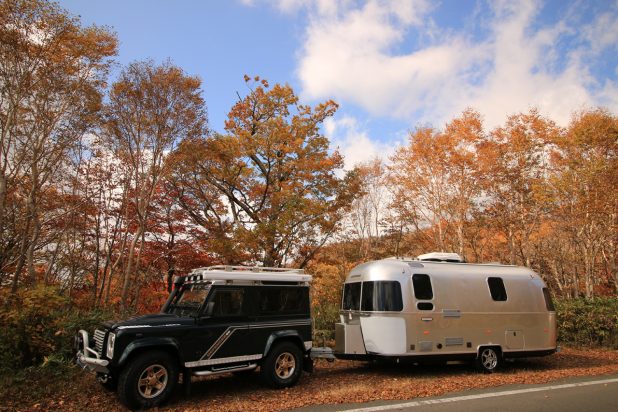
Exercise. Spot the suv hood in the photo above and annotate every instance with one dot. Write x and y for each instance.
(146, 321)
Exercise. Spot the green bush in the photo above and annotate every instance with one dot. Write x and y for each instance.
(588, 322)
(38, 325)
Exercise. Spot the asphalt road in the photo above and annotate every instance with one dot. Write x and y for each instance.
(595, 393)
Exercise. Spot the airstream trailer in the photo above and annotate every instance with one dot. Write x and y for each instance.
(436, 307)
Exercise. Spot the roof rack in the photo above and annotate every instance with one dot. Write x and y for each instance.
(245, 273)
(254, 269)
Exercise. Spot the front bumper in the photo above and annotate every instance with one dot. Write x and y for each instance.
(87, 358)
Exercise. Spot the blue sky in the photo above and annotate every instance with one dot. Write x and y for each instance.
(391, 65)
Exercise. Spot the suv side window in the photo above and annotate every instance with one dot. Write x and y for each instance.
(282, 300)
(227, 302)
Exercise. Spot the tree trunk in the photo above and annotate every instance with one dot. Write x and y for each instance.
(126, 282)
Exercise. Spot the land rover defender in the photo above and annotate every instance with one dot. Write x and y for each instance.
(217, 319)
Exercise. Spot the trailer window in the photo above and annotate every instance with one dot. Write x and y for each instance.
(422, 286)
(496, 288)
(382, 296)
(351, 296)
(548, 302)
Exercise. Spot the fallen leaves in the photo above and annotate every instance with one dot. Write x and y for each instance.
(331, 383)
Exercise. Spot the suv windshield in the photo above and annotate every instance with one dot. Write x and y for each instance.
(189, 299)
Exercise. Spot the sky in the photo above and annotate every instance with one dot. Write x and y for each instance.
(391, 66)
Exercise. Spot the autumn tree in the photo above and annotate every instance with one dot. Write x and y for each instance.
(515, 165)
(176, 243)
(274, 174)
(435, 180)
(151, 108)
(364, 221)
(52, 72)
(585, 176)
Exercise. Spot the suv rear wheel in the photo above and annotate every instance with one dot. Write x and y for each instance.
(148, 380)
(283, 366)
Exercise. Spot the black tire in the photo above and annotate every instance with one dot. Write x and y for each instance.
(283, 366)
(147, 380)
(107, 381)
(489, 359)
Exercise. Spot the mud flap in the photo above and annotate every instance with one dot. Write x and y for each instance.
(308, 364)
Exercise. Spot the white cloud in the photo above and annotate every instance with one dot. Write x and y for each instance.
(353, 142)
(363, 55)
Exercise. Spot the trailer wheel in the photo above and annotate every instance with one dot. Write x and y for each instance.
(283, 366)
(148, 380)
(488, 359)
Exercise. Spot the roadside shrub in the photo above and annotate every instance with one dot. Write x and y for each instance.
(325, 300)
(28, 325)
(588, 322)
(38, 325)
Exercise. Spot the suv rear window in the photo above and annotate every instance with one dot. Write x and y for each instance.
(283, 300)
(382, 296)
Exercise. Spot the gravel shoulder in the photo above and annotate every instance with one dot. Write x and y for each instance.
(331, 383)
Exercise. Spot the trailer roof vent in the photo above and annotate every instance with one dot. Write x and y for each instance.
(440, 257)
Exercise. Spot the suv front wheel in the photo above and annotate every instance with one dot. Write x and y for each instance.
(148, 380)
(283, 366)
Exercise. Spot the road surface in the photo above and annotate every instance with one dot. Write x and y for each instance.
(594, 393)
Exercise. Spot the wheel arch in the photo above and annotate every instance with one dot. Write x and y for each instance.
(496, 346)
(140, 346)
(284, 335)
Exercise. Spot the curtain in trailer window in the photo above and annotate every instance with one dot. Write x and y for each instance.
(382, 296)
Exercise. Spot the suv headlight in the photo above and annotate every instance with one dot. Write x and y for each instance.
(111, 338)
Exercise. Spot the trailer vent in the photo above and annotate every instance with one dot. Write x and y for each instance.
(451, 313)
(453, 341)
(440, 257)
(425, 346)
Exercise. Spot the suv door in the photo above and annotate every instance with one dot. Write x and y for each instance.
(221, 333)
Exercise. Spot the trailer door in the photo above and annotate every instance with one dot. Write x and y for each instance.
(383, 327)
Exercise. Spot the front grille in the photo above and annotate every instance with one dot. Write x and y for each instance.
(99, 337)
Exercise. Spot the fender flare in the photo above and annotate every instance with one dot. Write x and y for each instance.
(159, 342)
(292, 335)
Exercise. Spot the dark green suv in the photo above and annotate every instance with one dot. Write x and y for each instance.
(216, 320)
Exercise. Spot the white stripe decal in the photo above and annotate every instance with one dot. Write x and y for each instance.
(480, 396)
(219, 361)
(231, 329)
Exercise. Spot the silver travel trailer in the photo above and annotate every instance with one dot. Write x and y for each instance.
(437, 308)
